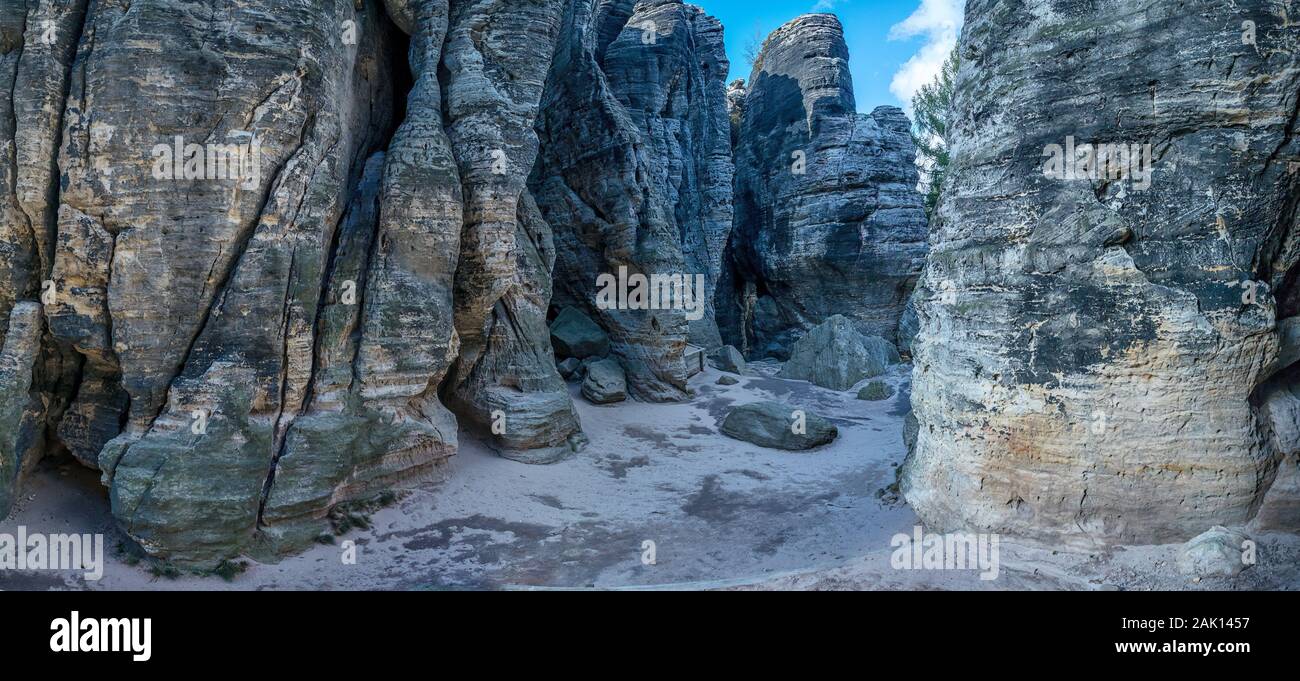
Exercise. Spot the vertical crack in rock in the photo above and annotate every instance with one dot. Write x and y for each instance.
(38, 41)
(20, 408)
(633, 173)
(828, 220)
(1105, 335)
(505, 384)
(207, 164)
(375, 420)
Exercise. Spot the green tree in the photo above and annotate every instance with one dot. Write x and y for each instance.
(930, 108)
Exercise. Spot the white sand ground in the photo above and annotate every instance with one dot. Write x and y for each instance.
(721, 514)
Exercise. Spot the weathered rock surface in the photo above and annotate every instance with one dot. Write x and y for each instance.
(605, 382)
(835, 355)
(574, 335)
(235, 333)
(778, 426)
(1280, 509)
(827, 217)
(20, 409)
(271, 240)
(635, 173)
(727, 358)
(504, 384)
(217, 281)
(875, 391)
(1091, 350)
(1218, 552)
(38, 41)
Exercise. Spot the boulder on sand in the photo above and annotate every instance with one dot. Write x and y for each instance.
(605, 382)
(728, 359)
(876, 391)
(573, 334)
(1217, 552)
(569, 367)
(836, 355)
(779, 426)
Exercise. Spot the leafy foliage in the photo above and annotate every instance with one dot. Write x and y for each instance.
(930, 108)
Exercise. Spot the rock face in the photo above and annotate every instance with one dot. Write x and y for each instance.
(635, 174)
(38, 42)
(261, 277)
(727, 358)
(20, 411)
(1092, 349)
(264, 260)
(778, 426)
(828, 220)
(605, 382)
(574, 335)
(218, 279)
(504, 384)
(835, 355)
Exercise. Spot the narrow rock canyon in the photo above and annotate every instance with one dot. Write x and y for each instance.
(264, 265)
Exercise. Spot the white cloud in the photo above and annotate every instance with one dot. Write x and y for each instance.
(939, 22)
(827, 5)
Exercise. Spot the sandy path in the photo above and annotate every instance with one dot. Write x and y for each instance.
(720, 513)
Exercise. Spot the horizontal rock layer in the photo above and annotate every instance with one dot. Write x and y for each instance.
(827, 217)
(1093, 350)
(635, 174)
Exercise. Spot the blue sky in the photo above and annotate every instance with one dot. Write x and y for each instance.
(894, 45)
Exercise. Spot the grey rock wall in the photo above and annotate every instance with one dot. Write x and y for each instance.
(504, 383)
(634, 171)
(1092, 352)
(827, 218)
(263, 260)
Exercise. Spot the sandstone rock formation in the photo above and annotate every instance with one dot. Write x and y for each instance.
(635, 172)
(778, 426)
(834, 355)
(218, 279)
(20, 410)
(37, 44)
(248, 251)
(504, 383)
(727, 358)
(827, 217)
(1094, 349)
(250, 306)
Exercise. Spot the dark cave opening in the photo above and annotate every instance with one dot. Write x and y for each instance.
(399, 46)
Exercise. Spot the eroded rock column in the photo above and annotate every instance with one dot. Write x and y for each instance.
(1113, 254)
(631, 174)
(828, 219)
(376, 420)
(38, 40)
(505, 384)
(206, 165)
